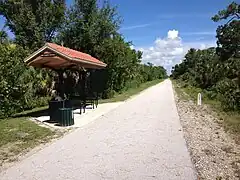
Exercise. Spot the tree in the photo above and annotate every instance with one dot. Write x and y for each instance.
(87, 26)
(228, 35)
(33, 22)
(93, 30)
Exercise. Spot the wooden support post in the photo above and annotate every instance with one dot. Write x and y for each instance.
(61, 89)
(84, 89)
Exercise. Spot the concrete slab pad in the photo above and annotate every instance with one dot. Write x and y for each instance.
(82, 119)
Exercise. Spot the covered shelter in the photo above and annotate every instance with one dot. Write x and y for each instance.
(60, 59)
(56, 57)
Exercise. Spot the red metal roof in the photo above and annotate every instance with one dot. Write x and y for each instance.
(74, 54)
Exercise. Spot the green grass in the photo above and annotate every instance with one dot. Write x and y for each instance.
(230, 119)
(18, 135)
(130, 92)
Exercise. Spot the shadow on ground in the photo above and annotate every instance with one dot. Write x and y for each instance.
(42, 112)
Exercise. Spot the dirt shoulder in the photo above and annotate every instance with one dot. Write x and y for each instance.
(214, 152)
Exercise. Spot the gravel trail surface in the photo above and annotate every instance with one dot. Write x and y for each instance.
(141, 139)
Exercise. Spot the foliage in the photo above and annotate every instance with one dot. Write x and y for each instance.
(18, 83)
(33, 22)
(217, 69)
(228, 35)
(3, 37)
(229, 93)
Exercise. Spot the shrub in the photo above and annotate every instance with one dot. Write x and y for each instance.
(18, 84)
(229, 94)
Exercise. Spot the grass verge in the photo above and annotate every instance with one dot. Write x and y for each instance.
(130, 92)
(230, 120)
(18, 135)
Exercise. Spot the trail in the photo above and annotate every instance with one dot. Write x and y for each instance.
(141, 139)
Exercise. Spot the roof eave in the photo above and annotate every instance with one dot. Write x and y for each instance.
(102, 65)
(46, 46)
(27, 59)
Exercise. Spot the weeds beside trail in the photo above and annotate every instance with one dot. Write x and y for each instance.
(214, 151)
(230, 120)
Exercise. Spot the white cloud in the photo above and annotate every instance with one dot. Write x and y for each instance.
(170, 50)
(135, 27)
(185, 15)
(211, 33)
(173, 34)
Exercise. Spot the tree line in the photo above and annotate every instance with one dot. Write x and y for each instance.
(217, 70)
(88, 26)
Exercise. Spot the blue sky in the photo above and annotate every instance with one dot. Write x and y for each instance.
(165, 30)
(144, 20)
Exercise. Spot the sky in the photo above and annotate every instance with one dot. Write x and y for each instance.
(165, 29)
